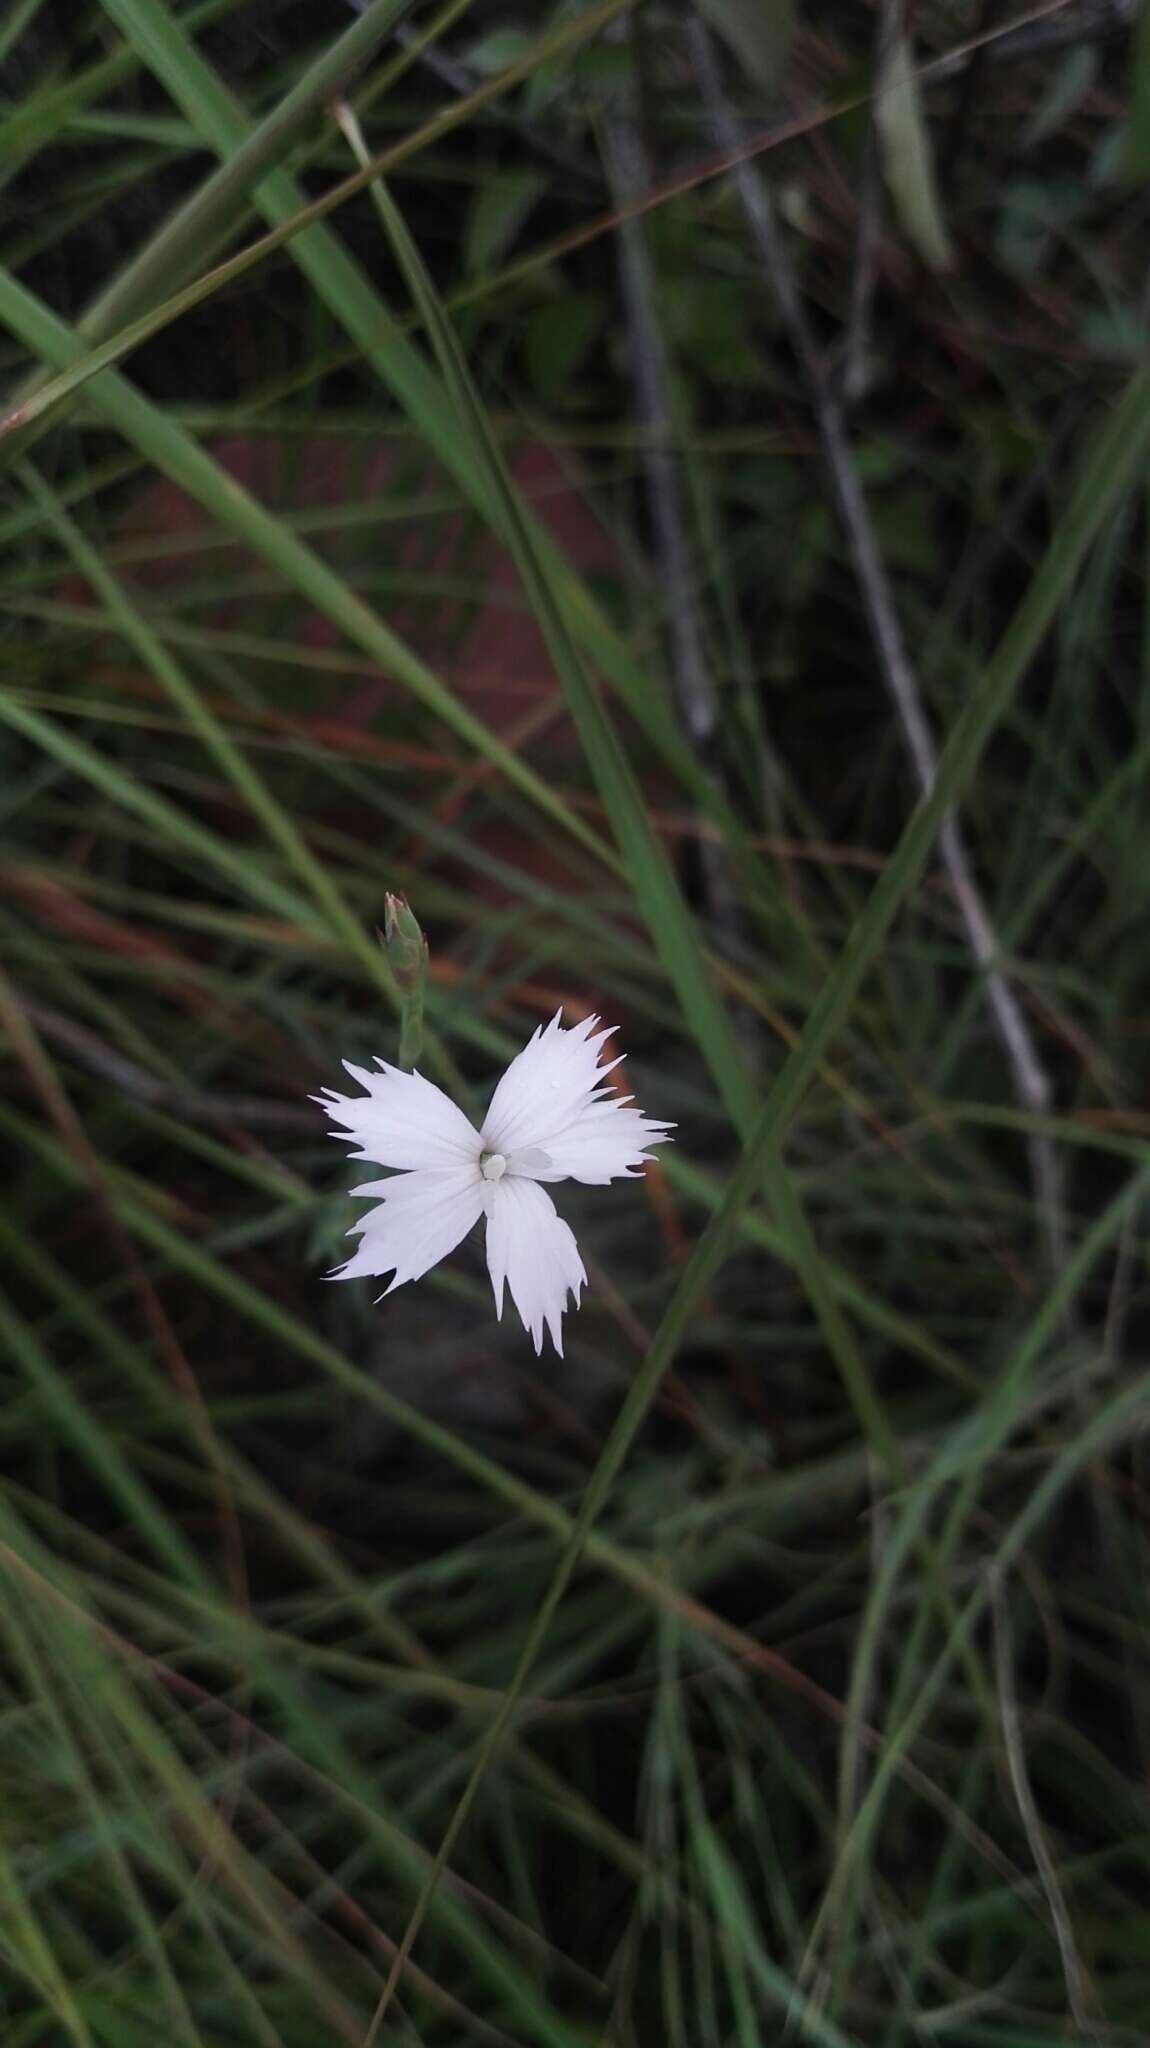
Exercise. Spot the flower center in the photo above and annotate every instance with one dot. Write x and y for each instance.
(492, 1165)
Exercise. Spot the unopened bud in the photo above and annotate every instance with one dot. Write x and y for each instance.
(407, 954)
(406, 945)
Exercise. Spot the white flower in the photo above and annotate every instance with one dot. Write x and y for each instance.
(554, 1116)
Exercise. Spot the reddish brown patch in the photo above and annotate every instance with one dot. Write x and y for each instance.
(492, 657)
(489, 654)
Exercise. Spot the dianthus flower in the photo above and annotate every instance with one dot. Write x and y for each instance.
(554, 1116)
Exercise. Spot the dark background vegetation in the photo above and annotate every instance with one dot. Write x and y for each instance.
(686, 530)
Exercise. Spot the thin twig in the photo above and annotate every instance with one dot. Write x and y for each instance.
(1089, 22)
(957, 127)
(1031, 1084)
(1077, 1984)
(421, 45)
(629, 176)
(650, 376)
(853, 376)
(463, 81)
(255, 1112)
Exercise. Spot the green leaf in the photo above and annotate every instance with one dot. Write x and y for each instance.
(908, 160)
(1072, 80)
(497, 50)
(558, 336)
(500, 208)
(758, 33)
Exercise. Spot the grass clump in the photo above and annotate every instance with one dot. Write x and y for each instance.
(663, 493)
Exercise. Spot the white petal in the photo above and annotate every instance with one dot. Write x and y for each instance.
(534, 1251)
(419, 1218)
(402, 1120)
(555, 1115)
(608, 1141)
(542, 1087)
